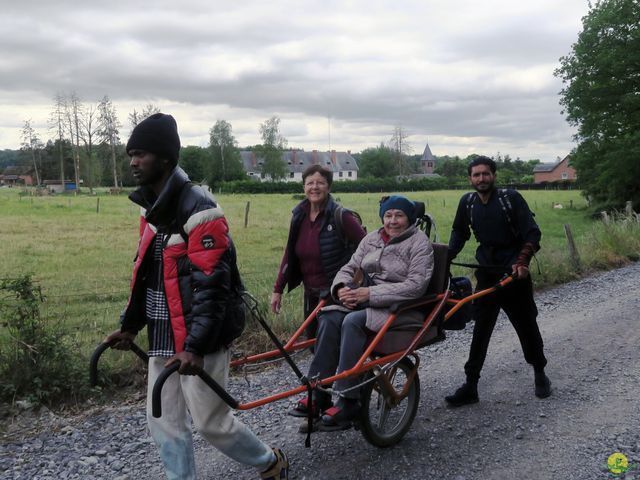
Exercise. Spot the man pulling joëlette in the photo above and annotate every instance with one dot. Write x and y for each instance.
(184, 289)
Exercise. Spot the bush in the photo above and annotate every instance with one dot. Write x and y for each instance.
(602, 247)
(614, 243)
(37, 360)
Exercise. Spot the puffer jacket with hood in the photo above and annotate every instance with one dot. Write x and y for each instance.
(199, 266)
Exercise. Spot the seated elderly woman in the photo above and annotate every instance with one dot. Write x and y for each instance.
(397, 262)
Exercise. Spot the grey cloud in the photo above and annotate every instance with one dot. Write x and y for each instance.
(265, 59)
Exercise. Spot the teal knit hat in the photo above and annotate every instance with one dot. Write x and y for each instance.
(398, 202)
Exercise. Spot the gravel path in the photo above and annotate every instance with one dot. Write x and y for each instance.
(591, 340)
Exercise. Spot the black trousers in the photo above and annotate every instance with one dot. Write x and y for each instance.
(311, 301)
(516, 300)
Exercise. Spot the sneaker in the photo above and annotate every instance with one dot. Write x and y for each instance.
(543, 385)
(465, 395)
(320, 402)
(341, 416)
(280, 469)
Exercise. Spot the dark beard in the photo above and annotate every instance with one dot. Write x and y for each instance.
(489, 187)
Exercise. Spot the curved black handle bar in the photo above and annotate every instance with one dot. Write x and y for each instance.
(156, 399)
(93, 363)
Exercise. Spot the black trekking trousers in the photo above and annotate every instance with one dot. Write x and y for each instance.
(516, 299)
(311, 301)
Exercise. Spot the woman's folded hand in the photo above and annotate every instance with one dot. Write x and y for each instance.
(351, 298)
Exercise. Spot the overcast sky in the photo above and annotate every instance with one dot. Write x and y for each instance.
(466, 76)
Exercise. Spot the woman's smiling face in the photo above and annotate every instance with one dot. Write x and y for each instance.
(316, 188)
(395, 222)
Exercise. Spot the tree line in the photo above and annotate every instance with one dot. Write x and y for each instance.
(86, 147)
(385, 161)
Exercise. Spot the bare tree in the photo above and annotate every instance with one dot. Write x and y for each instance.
(89, 129)
(400, 147)
(109, 130)
(73, 112)
(56, 123)
(149, 109)
(31, 143)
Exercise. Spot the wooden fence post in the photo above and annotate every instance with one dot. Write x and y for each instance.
(98, 205)
(573, 251)
(629, 208)
(246, 214)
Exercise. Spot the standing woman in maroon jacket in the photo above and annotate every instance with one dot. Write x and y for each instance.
(317, 248)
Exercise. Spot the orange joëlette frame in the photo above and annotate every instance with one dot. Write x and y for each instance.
(365, 363)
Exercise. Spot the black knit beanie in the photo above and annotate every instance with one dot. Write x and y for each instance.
(157, 134)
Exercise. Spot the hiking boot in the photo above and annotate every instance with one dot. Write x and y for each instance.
(465, 395)
(320, 402)
(543, 385)
(280, 468)
(341, 416)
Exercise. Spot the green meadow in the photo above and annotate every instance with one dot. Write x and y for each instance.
(82, 258)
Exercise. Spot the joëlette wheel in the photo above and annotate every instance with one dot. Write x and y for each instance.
(382, 423)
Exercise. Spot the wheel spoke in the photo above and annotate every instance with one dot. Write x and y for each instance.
(384, 415)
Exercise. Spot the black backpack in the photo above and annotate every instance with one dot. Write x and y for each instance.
(337, 218)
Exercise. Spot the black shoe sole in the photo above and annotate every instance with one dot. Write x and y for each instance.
(334, 428)
(296, 414)
(462, 403)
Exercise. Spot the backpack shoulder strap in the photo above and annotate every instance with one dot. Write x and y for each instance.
(470, 200)
(507, 208)
(337, 219)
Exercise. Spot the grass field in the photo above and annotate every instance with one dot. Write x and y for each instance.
(82, 259)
